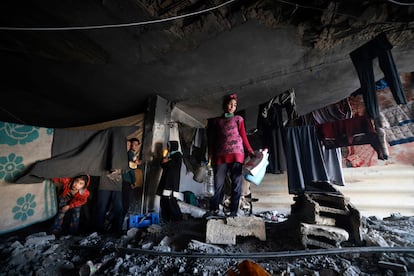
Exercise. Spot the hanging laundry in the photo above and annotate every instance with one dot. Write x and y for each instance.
(354, 131)
(270, 124)
(362, 59)
(304, 158)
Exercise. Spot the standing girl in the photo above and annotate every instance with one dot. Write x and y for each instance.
(227, 144)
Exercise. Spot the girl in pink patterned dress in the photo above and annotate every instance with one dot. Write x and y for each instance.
(227, 144)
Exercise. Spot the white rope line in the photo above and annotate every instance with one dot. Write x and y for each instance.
(123, 25)
(94, 27)
(401, 3)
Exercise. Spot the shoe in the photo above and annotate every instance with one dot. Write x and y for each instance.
(212, 214)
(56, 232)
(232, 215)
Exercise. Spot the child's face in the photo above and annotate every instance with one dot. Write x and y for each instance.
(231, 106)
(78, 184)
(135, 146)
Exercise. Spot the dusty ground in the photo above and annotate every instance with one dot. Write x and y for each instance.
(179, 249)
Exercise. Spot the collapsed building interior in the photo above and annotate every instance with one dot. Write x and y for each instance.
(76, 63)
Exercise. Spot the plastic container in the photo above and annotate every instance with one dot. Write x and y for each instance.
(254, 165)
(209, 182)
(255, 168)
(257, 179)
(140, 221)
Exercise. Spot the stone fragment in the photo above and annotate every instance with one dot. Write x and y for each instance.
(225, 231)
(399, 268)
(204, 247)
(322, 236)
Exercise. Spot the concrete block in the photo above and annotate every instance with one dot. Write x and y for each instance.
(322, 236)
(225, 231)
(321, 220)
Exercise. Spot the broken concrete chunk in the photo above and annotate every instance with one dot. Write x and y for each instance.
(204, 247)
(194, 211)
(322, 236)
(400, 268)
(225, 231)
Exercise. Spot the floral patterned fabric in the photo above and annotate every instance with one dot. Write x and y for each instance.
(24, 204)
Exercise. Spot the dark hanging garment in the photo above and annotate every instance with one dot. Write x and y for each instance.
(170, 211)
(169, 183)
(271, 126)
(332, 157)
(362, 59)
(305, 161)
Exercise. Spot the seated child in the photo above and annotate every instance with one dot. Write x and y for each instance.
(74, 194)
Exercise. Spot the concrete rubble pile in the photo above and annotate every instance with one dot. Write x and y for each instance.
(146, 251)
(326, 220)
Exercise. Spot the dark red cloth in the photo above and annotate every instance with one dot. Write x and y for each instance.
(353, 131)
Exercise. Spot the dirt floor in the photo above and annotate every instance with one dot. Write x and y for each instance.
(179, 248)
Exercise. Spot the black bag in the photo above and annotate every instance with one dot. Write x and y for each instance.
(170, 211)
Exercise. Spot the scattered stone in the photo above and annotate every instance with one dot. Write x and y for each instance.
(205, 247)
(39, 239)
(225, 231)
(399, 268)
(65, 256)
(322, 236)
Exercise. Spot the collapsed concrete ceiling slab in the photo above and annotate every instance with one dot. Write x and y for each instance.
(102, 60)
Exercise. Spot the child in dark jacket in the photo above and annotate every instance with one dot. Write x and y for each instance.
(74, 194)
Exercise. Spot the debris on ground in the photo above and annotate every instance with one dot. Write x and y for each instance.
(179, 248)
